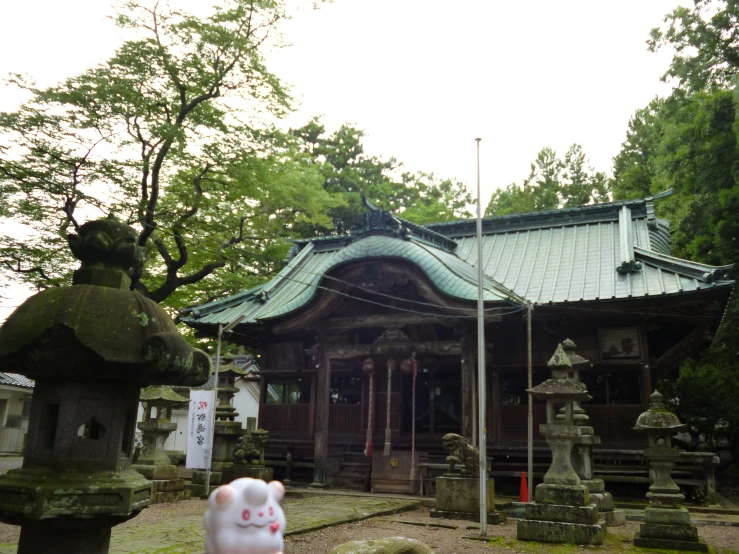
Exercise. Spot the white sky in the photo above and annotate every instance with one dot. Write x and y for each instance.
(423, 78)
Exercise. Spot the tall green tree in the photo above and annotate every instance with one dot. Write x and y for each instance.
(164, 135)
(688, 142)
(552, 183)
(705, 44)
(349, 173)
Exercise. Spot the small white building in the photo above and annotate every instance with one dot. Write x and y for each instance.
(246, 401)
(15, 407)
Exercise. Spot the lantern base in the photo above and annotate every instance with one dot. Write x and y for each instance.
(561, 532)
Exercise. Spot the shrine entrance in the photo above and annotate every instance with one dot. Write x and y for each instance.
(438, 401)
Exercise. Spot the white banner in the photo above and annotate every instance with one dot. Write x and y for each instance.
(200, 419)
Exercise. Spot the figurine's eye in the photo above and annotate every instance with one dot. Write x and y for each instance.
(271, 511)
(245, 515)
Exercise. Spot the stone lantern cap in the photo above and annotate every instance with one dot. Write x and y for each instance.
(162, 394)
(559, 387)
(577, 361)
(230, 366)
(98, 329)
(658, 417)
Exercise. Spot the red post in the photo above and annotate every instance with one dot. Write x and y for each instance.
(523, 495)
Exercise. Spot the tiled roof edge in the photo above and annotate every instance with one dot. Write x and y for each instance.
(694, 270)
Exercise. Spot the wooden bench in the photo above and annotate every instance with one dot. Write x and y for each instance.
(694, 471)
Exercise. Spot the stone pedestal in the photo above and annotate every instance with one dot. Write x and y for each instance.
(238, 471)
(562, 513)
(669, 529)
(459, 498)
(197, 487)
(170, 490)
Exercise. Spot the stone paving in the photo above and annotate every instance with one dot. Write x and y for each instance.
(185, 535)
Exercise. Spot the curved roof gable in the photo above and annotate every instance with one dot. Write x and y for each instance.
(304, 276)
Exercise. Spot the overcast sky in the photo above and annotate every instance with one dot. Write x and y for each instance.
(423, 78)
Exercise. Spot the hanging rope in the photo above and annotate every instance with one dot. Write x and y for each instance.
(414, 366)
(388, 434)
(369, 368)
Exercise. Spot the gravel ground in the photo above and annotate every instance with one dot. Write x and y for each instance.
(452, 541)
(442, 540)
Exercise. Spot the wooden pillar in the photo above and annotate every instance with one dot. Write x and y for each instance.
(323, 391)
(646, 384)
(468, 365)
(495, 428)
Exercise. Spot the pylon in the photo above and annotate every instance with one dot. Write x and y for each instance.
(523, 495)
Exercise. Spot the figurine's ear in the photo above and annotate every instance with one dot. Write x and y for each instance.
(223, 495)
(279, 489)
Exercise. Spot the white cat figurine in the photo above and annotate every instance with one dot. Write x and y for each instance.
(245, 517)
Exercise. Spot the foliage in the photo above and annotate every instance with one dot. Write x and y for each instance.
(688, 142)
(350, 174)
(552, 183)
(165, 134)
(705, 41)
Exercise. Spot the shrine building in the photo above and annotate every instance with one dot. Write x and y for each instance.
(391, 294)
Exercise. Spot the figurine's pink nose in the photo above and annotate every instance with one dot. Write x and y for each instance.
(275, 526)
(261, 514)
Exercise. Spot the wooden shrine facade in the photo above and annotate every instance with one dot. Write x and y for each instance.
(392, 293)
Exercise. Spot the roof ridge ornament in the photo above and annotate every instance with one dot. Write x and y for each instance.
(376, 221)
(626, 243)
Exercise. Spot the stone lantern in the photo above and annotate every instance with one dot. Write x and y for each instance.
(90, 347)
(562, 511)
(154, 463)
(582, 453)
(666, 522)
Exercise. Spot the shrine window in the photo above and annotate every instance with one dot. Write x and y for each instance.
(613, 387)
(346, 390)
(288, 391)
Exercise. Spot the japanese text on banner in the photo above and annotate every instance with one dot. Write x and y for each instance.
(200, 419)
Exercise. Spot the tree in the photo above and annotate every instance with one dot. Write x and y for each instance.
(350, 174)
(634, 166)
(552, 183)
(705, 40)
(688, 142)
(163, 135)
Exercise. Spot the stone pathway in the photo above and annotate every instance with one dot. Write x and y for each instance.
(185, 535)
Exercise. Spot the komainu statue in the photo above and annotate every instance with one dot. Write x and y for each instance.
(251, 446)
(461, 452)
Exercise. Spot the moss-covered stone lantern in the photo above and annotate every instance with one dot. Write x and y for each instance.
(153, 462)
(90, 348)
(562, 512)
(582, 452)
(666, 522)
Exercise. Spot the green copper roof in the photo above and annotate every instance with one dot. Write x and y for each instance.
(616, 250)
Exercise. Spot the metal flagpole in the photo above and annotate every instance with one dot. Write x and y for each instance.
(481, 388)
(221, 330)
(530, 445)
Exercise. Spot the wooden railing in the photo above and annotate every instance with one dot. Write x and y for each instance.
(345, 418)
(285, 417)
